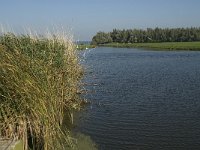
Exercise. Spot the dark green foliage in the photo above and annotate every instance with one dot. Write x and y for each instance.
(148, 36)
(101, 38)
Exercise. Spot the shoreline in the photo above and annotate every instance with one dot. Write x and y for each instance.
(84, 46)
(170, 46)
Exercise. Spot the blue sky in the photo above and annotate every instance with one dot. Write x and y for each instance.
(86, 17)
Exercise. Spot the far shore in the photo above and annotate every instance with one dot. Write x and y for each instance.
(84, 46)
(192, 46)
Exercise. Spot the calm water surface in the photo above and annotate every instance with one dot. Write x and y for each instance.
(142, 99)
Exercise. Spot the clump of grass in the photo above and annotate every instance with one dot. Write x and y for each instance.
(39, 79)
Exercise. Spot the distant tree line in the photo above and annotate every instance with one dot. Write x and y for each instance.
(148, 35)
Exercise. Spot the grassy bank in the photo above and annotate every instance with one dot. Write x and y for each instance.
(84, 46)
(39, 78)
(159, 46)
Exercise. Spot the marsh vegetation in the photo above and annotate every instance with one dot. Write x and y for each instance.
(39, 82)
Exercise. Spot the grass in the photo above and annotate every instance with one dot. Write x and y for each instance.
(84, 46)
(159, 46)
(39, 81)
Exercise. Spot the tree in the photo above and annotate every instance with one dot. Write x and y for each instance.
(101, 38)
(148, 35)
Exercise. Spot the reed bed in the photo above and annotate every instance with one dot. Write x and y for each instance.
(39, 80)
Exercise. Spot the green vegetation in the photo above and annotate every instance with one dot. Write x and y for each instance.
(84, 142)
(159, 46)
(18, 146)
(39, 82)
(101, 38)
(149, 35)
(84, 46)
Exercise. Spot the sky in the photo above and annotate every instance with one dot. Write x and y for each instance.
(84, 18)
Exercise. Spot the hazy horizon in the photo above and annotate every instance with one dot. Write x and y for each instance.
(85, 18)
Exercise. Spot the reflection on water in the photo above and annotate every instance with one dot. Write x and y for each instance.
(84, 142)
(80, 141)
(142, 99)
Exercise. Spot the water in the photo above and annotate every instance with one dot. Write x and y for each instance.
(142, 99)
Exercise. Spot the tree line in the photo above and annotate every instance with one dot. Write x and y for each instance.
(148, 35)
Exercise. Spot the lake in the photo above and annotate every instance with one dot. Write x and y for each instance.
(141, 99)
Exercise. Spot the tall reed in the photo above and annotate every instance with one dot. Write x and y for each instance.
(39, 79)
